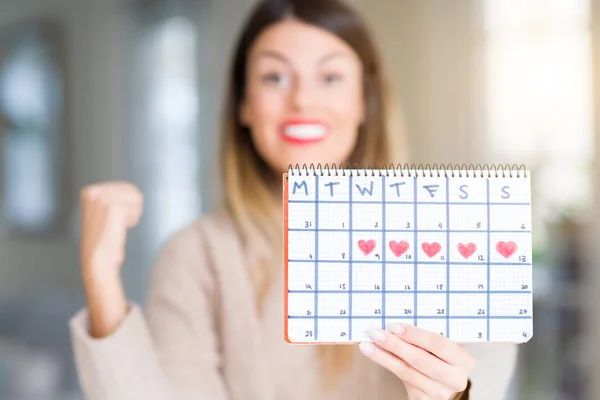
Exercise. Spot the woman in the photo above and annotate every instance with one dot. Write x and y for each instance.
(306, 87)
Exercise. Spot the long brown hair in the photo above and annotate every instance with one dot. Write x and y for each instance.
(252, 189)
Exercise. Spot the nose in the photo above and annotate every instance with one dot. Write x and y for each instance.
(301, 96)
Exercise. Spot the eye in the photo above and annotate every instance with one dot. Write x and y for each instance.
(274, 78)
(332, 78)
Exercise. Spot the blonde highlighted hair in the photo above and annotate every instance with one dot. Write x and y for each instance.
(253, 192)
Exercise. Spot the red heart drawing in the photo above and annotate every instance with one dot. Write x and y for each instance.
(466, 250)
(399, 248)
(507, 249)
(431, 249)
(366, 246)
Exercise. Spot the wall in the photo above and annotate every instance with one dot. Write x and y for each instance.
(432, 61)
(591, 292)
(100, 121)
(93, 129)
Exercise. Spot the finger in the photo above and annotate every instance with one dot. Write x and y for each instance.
(421, 360)
(116, 223)
(112, 192)
(440, 346)
(122, 202)
(133, 216)
(417, 394)
(125, 194)
(409, 375)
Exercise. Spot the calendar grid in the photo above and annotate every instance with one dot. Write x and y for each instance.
(416, 255)
(447, 258)
(324, 291)
(350, 227)
(373, 246)
(489, 241)
(316, 311)
(383, 252)
(434, 317)
(484, 264)
(402, 230)
(453, 203)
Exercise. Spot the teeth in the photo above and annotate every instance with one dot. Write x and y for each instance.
(305, 131)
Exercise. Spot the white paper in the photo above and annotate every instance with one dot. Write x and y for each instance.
(449, 254)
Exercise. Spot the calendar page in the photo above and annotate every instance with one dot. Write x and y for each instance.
(447, 251)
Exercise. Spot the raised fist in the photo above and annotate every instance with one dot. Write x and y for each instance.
(109, 209)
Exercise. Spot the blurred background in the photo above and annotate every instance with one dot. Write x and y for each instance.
(93, 90)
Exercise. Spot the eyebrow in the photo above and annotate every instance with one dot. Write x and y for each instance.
(284, 59)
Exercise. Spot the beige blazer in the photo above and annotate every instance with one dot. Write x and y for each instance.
(201, 337)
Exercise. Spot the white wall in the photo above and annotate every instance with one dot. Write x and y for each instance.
(432, 60)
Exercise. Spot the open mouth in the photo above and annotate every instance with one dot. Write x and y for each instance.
(304, 132)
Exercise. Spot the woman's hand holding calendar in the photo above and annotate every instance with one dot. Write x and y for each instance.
(431, 366)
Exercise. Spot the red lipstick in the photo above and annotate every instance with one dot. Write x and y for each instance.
(303, 131)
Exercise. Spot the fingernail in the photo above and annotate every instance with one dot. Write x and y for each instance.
(377, 335)
(395, 328)
(366, 348)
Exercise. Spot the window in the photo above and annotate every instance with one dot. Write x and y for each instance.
(167, 133)
(172, 111)
(539, 96)
(31, 105)
(539, 111)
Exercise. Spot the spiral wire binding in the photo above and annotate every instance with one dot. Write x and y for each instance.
(420, 170)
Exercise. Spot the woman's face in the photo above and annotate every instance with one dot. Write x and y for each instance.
(304, 96)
